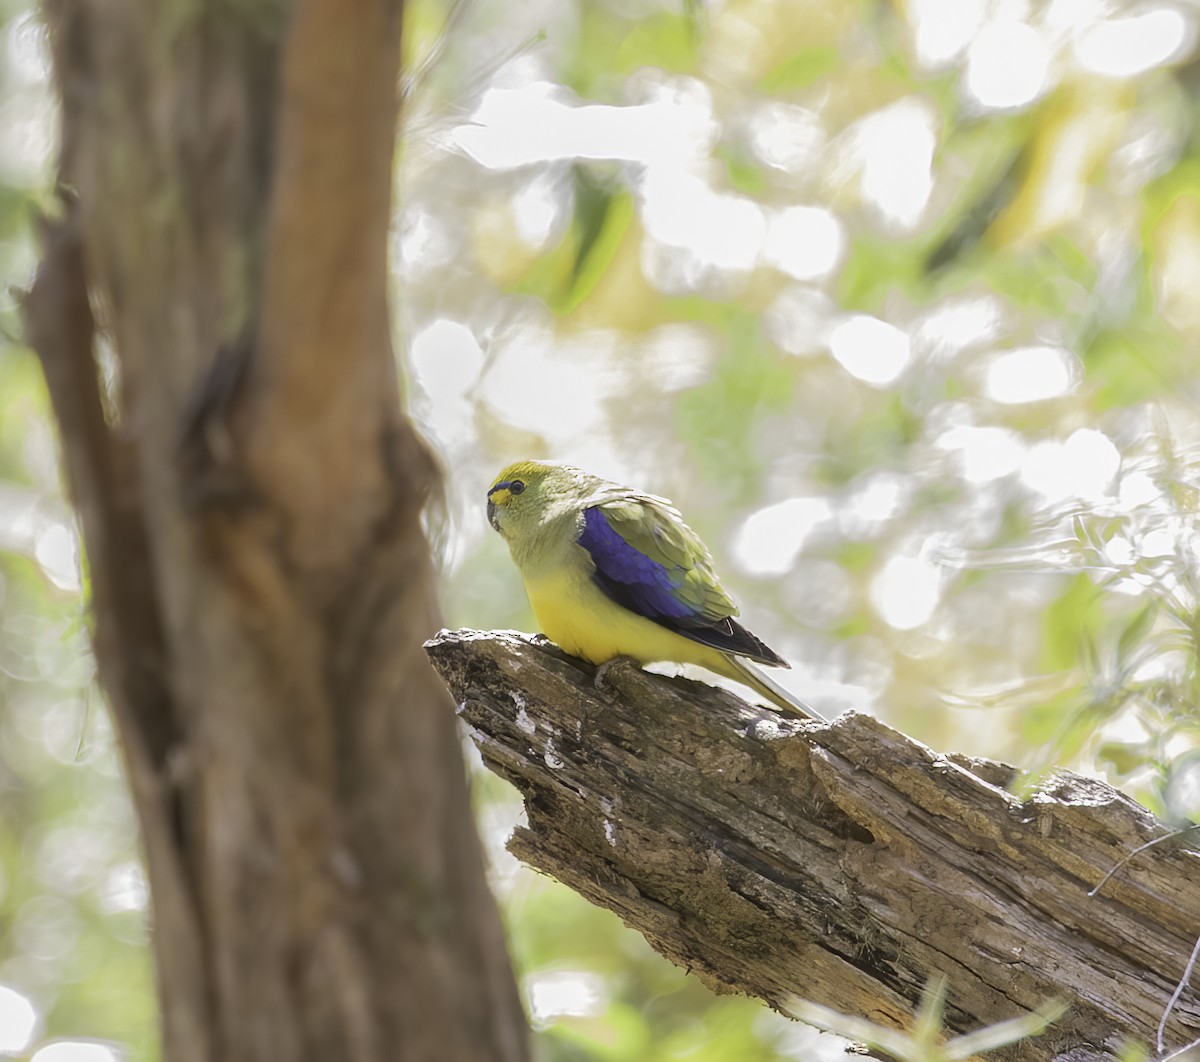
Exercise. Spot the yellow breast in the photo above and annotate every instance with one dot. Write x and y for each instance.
(574, 612)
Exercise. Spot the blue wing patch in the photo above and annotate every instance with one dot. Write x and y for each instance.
(643, 585)
(627, 575)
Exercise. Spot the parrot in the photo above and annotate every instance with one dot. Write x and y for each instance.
(614, 572)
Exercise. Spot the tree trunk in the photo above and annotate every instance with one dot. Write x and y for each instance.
(251, 497)
(840, 863)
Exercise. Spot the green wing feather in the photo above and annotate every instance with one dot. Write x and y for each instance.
(655, 528)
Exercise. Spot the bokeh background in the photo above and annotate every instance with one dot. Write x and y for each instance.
(899, 303)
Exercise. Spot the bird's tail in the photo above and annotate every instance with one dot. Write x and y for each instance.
(786, 702)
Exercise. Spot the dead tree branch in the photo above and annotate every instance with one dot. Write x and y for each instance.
(841, 863)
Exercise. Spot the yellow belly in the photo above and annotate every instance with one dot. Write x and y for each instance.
(585, 622)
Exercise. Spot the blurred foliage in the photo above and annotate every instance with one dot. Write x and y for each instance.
(927, 1039)
(897, 301)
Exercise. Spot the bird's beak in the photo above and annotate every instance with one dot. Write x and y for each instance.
(492, 514)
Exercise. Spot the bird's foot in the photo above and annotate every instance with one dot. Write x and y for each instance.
(602, 681)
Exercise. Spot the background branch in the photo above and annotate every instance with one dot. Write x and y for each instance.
(251, 512)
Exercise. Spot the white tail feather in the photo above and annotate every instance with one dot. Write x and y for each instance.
(775, 693)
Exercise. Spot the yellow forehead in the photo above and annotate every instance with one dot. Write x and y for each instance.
(522, 470)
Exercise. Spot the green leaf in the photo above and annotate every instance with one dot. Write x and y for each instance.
(567, 275)
(800, 70)
(1136, 631)
(1123, 758)
(744, 174)
(1068, 624)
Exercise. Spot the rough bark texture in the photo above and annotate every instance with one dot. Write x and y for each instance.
(842, 863)
(251, 498)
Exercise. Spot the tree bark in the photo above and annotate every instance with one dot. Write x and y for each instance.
(250, 497)
(841, 863)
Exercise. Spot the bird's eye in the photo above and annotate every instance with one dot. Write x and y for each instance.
(516, 487)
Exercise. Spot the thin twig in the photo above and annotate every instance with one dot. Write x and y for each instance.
(459, 11)
(1139, 849)
(1183, 983)
(1181, 1052)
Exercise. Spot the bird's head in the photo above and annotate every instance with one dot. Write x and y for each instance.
(526, 493)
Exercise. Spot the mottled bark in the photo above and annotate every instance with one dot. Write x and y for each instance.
(250, 497)
(842, 863)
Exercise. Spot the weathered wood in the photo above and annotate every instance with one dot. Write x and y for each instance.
(843, 863)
